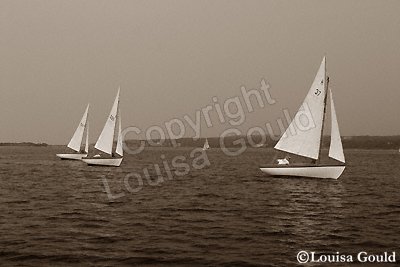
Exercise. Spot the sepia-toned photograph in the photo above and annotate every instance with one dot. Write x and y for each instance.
(199, 133)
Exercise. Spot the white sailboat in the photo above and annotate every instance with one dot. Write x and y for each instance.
(76, 140)
(307, 143)
(206, 146)
(106, 140)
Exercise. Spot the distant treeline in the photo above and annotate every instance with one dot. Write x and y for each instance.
(23, 144)
(368, 142)
(349, 142)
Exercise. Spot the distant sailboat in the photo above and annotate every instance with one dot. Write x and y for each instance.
(76, 140)
(106, 140)
(206, 146)
(308, 143)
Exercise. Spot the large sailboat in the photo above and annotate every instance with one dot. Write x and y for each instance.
(76, 140)
(106, 140)
(307, 143)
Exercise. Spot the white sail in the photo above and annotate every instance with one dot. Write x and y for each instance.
(87, 138)
(106, 139)
(303, 136)
(206, 145)
(119, 150)
(76, 140)
(336, 148)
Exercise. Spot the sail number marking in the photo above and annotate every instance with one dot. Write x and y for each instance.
(317, 92)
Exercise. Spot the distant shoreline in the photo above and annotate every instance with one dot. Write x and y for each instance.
(349, 142)
(24, 144)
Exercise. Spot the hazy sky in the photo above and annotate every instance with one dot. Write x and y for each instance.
(171, 57)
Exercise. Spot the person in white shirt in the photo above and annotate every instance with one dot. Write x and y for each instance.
(284, 161)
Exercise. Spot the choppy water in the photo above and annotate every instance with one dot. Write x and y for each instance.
(56, 213)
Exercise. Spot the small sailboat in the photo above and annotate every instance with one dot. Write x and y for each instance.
(76, 140)
(106, 140)
(206, 146)
(307, 143)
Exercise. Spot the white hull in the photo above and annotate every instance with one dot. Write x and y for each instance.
(72, 156)
(330, 172)
(114, 162)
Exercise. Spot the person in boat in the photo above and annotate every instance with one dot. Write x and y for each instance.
(284, 161)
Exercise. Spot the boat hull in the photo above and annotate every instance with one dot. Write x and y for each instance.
(71, 156)
(329, 172)
(113, 162)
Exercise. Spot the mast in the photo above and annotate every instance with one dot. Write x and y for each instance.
(115, 129)
(323, 116)
(87, 134)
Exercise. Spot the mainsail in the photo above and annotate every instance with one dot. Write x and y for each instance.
(304, 137)
(76, 140)
(105, 141)
(336, 148)
(119, 150)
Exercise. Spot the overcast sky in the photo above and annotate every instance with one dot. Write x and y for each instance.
(171, 57)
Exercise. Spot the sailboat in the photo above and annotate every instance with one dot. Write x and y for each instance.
(76, 140)
(307, 143)
(206, 146)
(106, 140)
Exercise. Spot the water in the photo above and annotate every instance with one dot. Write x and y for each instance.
(57, 213)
